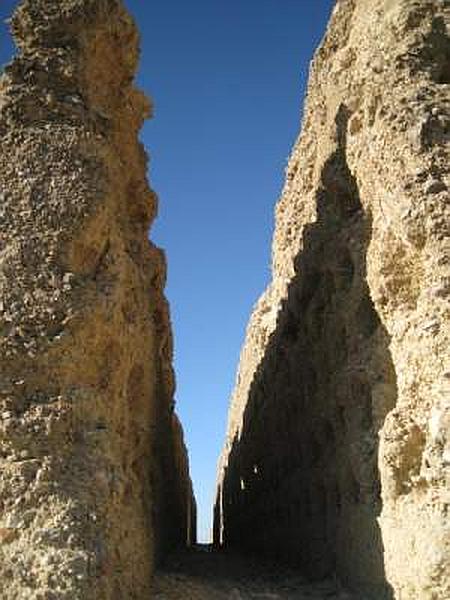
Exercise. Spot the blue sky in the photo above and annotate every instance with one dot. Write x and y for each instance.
(227, 78)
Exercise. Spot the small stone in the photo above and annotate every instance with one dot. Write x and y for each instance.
(8, 535)
(432, 325)
(68, 277)
(435, 186)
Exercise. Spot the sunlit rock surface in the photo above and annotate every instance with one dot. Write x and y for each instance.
(337, 454)
(94, 480)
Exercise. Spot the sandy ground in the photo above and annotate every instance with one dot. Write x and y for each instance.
(203, 575)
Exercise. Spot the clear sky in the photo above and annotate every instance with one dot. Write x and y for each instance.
(227, 78)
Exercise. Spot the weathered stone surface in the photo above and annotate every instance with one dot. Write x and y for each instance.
(337, 452)
(93, 471)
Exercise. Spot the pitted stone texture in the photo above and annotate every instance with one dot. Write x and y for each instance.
(87, 496)
(337, 446)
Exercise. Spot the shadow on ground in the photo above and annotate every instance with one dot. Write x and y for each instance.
(204, 574)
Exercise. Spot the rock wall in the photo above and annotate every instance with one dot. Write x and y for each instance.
(337, 454)
(94, 480)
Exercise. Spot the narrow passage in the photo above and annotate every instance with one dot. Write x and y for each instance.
(204, 574)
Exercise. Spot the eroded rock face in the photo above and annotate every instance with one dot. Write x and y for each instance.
(337, 452)
(94, 479)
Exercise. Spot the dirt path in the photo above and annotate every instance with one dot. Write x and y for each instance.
(202, 575)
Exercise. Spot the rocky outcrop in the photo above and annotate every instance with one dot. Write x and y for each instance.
(337, 452)
(94, 478)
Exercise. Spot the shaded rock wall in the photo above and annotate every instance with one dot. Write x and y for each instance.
(94, 479)
(337, 451)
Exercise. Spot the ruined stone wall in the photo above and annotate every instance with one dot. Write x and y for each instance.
(337, 451)
(94, 478)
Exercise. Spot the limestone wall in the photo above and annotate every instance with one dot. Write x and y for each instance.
(94, 479)
(337, 450)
